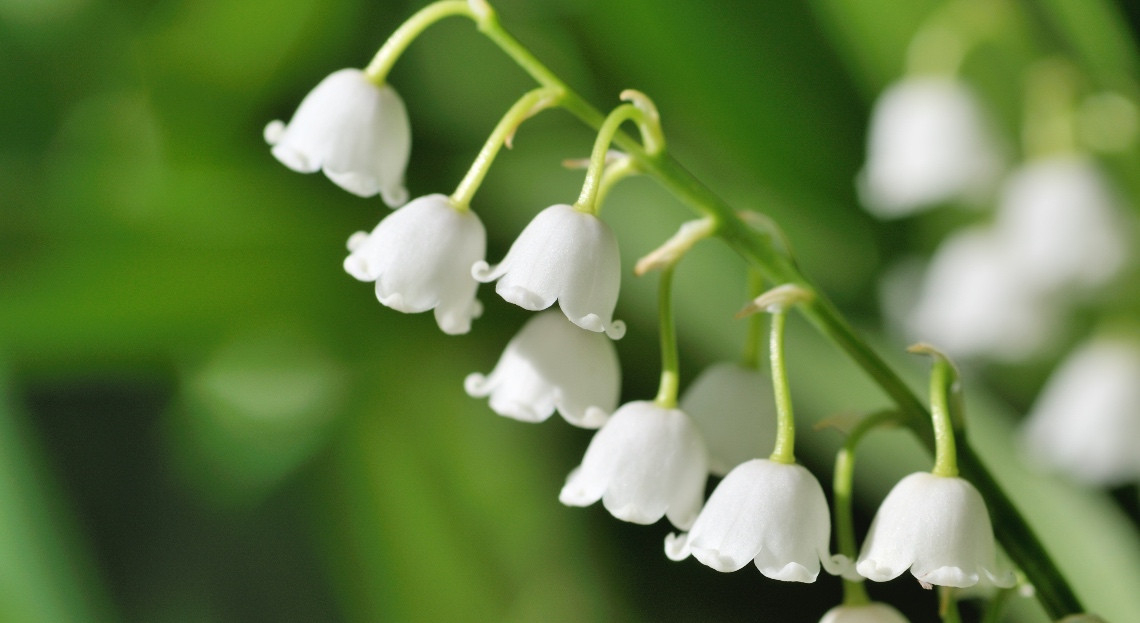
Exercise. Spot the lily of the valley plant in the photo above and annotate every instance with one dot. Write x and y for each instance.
(651, 456)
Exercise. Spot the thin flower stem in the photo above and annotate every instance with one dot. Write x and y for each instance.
(751, 356)
(942, 375)
(377, 70)
(588, 199)
(948, 608)
(670, 361)
(853, 592)
(1020, 542)
(784, 450)
(526, 107)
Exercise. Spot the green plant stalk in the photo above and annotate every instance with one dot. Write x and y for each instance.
(588, 198)
(750, 358)
(1011, 529)
(784, 450)
(526, 106)
(670, 361)
(853, 592)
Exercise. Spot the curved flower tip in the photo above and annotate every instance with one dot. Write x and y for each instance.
(354, 130)
(420, 258)
(553, 365)
(773, 514)
(645, 463)
(938, 528)
(562, 255)
(874, 612)
(731, 405)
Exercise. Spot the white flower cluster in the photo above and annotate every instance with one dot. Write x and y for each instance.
(646, 461)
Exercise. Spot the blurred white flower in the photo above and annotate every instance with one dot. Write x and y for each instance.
(774, 514)
(732, 406)
(937, 527)
(974, 303)
(1061, 224)
(564, 255)
(1086, 422)
(553, 364)
(644, 463)
(354, 130)
(874, 612)
(420, 257)
(929, 142)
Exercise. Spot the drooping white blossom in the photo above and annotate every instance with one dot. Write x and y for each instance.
(774, 514)
(929, 142)
(937, 527)
(732, 406)
(1061, 224)
(973, 302)
(565, 255)
(420, 257)
(354, 130)
(1086, 421)
(874, 612)
(645, 462)
(552, 364)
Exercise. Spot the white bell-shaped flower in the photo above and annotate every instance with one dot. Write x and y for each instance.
(731, 405)
(420, 257)
(565, 255)
(644, 463)
(774, 514)
(929, 142)
(1062, 224)
(874, 612)
(973, 302)
(1086, 422)
(552, 364)
(937, 527)
(353, 129)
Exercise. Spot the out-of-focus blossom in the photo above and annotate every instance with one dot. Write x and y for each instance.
(1086, 422)
(1061, 224)
(732, 405)
(929, 142)
(552, 364)
(973, 302)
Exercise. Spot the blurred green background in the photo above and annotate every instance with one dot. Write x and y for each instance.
(202, 418)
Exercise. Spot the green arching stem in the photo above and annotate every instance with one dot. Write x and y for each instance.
(1011, 529)
(942, 375)
(853, 592)
(750, 358)
(377, 70)
(527, 106)
(785, 448)
(588, 199)
(670, 361)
